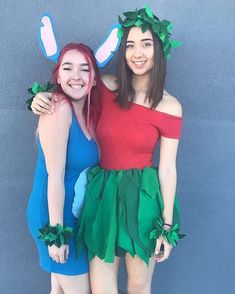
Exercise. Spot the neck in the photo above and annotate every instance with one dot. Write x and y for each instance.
(78, 105)
(140, 83)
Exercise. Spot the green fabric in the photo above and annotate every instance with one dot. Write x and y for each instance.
(55, 235)
(120, 211)
(145, 19)
(36, 88)
(172, 235)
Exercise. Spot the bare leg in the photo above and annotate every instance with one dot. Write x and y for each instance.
(139, 275)
(55, 286)
(103, 276)
(74, 284)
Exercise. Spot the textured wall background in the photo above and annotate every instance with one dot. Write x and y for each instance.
(201, 74)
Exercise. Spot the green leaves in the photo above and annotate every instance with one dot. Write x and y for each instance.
(130, 14)
(172, 235)
(36, 88)
(175, 43)
(156, 27)
(144, 27)
(148, 11)
(120, 33)
(129, 23)
(145, 19)
(139, 22)
(55, 235)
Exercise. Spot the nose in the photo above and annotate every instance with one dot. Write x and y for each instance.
(76, 75)
(138, 52)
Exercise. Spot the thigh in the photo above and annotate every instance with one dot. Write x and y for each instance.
(74, 284)
(139, 274)
(55, 286)
(103, 276)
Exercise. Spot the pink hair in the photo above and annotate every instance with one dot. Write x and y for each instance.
(92, 107)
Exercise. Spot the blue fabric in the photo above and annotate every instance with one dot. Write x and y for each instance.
(79, 190)
(81, 153)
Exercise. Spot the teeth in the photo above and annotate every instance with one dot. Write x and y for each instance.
(139, 62)
(77, 87)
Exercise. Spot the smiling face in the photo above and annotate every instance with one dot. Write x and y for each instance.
(75, 75)
(139, 51)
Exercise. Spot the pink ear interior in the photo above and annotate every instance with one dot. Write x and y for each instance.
(47, 36)
(108, 47)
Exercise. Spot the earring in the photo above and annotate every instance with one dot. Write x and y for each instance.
(94, 84)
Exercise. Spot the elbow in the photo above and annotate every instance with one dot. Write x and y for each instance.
(56, 176)
(167, 172)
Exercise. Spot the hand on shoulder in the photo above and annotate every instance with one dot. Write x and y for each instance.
(110, 81)
(61, 116)
(169, 104)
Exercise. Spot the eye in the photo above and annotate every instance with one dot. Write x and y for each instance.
(129, 46)
(66, 68)
(147, 44)
(86, 69)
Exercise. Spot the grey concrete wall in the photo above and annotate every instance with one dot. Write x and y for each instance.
(201, 74)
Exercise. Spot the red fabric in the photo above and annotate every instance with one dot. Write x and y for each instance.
(127, 137)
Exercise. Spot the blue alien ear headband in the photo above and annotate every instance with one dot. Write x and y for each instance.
(50, 49)
(47, 39)
(105, 51)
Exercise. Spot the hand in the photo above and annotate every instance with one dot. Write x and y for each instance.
(162, 255)
(59, 255)
(42, 103)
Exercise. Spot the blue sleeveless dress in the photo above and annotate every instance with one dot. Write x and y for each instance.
(81, 153)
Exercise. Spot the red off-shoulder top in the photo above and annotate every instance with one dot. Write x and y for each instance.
(127, 137)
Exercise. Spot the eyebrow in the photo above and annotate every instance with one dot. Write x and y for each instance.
(142, 40)
(69, 63)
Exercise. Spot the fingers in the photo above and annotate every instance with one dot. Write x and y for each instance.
(158, 246)
(58, 254)
(166, 253)
(42, 104)
(67, 253)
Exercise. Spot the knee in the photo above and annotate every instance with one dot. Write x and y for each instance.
(138, 286)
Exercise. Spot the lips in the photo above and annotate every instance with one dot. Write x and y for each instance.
(76, 86)
(139, 64)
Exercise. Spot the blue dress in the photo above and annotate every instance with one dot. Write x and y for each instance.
(81, 153)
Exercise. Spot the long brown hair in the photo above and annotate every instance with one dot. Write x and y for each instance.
(95, 104)
(126, 92)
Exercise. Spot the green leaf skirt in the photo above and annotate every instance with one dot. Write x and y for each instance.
(119, 212)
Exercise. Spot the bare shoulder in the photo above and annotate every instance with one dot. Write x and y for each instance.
(170, 105)
(110, 81)
(61, 115)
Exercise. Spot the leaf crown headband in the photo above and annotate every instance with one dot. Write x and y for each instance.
(145, 19)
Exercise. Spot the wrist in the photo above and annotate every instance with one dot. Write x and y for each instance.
(56, 235)
(167, 226)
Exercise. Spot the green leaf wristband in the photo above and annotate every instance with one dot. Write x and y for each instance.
(55, 235)
(36, 88)
(172, 235)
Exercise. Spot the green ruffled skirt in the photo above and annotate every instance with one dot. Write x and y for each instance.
(120, 209)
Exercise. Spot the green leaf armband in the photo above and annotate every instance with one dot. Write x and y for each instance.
(36, 88)
(56, 235)
(172, 235)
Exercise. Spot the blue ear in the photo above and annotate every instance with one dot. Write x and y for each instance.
(47, 39)
(106, 49)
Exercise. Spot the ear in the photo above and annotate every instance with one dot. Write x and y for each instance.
(105, 51)
(47, 39)
(58, 80)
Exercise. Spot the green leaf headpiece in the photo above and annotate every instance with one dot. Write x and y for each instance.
(145, 19)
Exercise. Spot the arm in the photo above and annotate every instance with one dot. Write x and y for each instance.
(168, 178)
(110, 81)
(53, 134)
